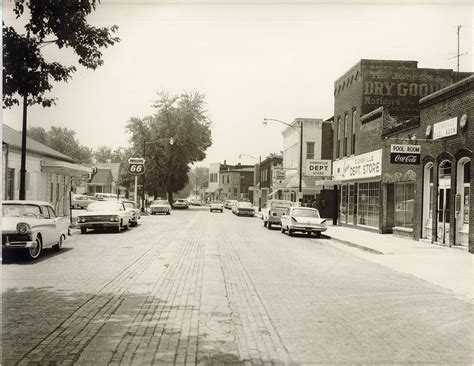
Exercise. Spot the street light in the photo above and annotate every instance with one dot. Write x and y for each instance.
(259, 178)
(265, 122)
(171, 142)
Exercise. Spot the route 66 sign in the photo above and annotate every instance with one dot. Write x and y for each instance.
(136, 166)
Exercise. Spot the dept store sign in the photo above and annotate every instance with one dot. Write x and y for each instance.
(405, 154)
(318, 168)
(366, 165)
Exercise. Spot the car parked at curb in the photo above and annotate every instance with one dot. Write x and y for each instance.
(228, 204)
(81, 201)
(105, 214)
(216, 206)
(272, 211)
(304, 220)
(31, 226)
(136, 214)
(160, 207)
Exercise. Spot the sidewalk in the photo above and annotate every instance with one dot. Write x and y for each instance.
(450, 268)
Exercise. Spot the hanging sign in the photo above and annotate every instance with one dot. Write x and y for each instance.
(318, 168)
(405, 154)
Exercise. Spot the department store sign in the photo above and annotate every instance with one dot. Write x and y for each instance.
(366, 165)
(445, 128)
(318, 168)
(405, 154)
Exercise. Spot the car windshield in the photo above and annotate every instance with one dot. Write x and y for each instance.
(17, 210)
(305, 212)
(104, 206)
(160, 202)
(129, 204)
(245, 205)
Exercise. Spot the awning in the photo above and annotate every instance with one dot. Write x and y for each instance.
(328, 182)
(64, 168)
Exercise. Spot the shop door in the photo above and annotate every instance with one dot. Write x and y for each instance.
(444, 194)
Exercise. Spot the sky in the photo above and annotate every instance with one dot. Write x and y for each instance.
(252, 61)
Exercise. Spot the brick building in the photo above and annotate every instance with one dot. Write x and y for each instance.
(268, 178)
(376, 108)
(230, 181)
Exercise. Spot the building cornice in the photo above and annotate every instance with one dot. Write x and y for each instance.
(448, 92)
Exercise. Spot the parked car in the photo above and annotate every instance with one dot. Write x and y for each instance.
(272, 211)
(229, 203)
(160, 206)
(136, 214)
(302, 219)
(180, 203)
(216, 206)
(81, 201)
(195, 202)
(105, 214)
(31, 226)
(243, 209)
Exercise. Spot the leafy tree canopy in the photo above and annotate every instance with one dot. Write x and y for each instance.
(63, 140)
(182, 118)
(53, 22)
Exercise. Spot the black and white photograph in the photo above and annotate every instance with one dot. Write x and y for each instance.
(237, 183)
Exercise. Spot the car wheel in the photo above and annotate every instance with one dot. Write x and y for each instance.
(168, 213)
(289, 232)
(318, 234)
(83, 230)
(269, 225)
(59, 246)
(35, 251)
(128, 226)
(134, 223)
(118, 228)
(265, 223)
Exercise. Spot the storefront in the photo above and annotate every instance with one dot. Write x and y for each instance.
(360, 189)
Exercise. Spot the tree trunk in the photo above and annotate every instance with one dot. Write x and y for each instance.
(170, 196)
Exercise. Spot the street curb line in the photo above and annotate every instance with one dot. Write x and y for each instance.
(350, 244)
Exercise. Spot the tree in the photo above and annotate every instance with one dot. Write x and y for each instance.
(104, 153)
(27, 75)
(63, 140)
(182, 118)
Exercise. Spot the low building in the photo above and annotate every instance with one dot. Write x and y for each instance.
(50, 175)
(230, 182)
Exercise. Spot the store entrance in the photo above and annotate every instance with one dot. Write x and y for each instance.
(443, 214)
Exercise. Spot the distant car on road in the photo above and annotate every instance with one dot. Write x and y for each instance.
(180, 203)
(81, 201)
(302, 219)
(31, 226)
(160, 206)
(195, 202)
(136, 214)
(243, 209)
(229, 204)
(216, 206)
(105, 214)
(272, 211)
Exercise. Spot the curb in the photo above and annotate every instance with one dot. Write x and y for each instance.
(350, 244)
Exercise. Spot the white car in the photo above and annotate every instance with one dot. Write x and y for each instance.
(243, 209)
(32, 226)
(160, 206)
(271, 213)
(105, 214)
(302, 219)
(181, 203)
(216, 206)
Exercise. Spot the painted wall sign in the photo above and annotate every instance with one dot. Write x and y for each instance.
(405, 154)
(366, 165)
(445, 128)
(318, 168)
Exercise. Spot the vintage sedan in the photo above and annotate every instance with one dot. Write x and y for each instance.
(216, 206)
(243, 209)
(181, 203)
(31, 226)
(105, 214)
(160, 206)
(133, 207)
(302, 219)
(81, 201)
(229, 204)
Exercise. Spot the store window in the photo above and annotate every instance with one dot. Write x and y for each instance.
(404, 204)
(368, 204)
(310, 150)
(343, 204)
(351, 203)
(466, 189)
(428, 201)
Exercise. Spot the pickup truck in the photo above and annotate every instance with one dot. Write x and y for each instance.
(271, 213)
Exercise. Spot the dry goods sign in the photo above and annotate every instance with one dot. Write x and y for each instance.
(405, 154)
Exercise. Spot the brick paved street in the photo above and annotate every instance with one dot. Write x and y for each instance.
(201, 288)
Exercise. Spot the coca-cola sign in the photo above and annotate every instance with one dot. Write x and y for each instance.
(405, 154)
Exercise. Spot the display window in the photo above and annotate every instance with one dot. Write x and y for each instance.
(404, 204)
(368, 205)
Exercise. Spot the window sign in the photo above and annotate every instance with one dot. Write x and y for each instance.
(366, 165)
(445, 128)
